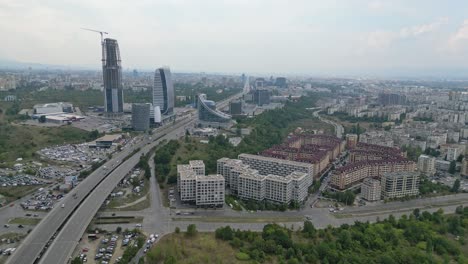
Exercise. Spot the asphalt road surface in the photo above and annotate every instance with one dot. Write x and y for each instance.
(32, 247)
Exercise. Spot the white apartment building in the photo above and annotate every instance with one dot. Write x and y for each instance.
(195, 187)
(300, 185)
(251, 186)
(399, 184)
(267, 165)
(210, 190)
(198, 166)
(452, 153)
(278, 188)
(426, 165)
(259, 184)
(371, 189)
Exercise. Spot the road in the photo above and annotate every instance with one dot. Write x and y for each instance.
(339, 129)
(77, 213)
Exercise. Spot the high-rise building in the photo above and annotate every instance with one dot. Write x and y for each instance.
(140, 117)
(399, 184)
(261, 97)
(370, 189)
(163, 91)
(112, 76)
(426, 165)
(235, 107)
(280, 82)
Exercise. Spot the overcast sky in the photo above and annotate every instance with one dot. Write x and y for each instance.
(252, 36)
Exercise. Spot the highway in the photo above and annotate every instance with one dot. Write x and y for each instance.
(339, 129)
(78, 212)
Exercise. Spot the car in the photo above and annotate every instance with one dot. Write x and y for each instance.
(28, 214)
(35, 215)
(6, 225)
(63, 205)
(145, 250)
(138, 225)
(20, 226)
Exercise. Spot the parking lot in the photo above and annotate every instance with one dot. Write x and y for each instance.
(42, 200)
(54, 172)
(20, 180)
(106, 247)
(78, 154)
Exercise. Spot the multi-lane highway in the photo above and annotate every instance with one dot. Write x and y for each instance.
(55, 237)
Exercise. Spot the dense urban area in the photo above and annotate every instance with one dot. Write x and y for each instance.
(280, 169)
(284, 132)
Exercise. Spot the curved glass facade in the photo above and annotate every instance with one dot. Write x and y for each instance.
(163, 91)
(207, 111)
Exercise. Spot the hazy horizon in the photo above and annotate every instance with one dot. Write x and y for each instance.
(343, 38)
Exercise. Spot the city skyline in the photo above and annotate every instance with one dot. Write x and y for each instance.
(304, 37)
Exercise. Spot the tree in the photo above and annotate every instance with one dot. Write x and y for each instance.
(456, 186)
(177, 230)
(118, 230)
(452, 167)
(77, 260)
(191, 230)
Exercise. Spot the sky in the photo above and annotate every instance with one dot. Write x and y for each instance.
(332, 37)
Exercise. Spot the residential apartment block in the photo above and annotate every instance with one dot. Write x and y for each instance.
(426, 165)
(400, 184)
(196, 187)
(371, 189)
(288, 184)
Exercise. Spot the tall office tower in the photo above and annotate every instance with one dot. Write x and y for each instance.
(112, 75)
(163, 91)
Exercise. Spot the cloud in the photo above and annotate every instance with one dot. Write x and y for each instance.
(460, 38)
(381, 39)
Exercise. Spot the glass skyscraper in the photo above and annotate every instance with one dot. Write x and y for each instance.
(112, 76)
(163, 91)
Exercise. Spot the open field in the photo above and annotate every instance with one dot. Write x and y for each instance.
(313, 123)
(145, 203)
(13, 193)
(24, 221)
(203, 248)
(20, 141)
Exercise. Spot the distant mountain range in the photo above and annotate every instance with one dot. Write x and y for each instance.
(18, 65)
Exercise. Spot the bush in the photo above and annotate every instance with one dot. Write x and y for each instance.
(242, 256)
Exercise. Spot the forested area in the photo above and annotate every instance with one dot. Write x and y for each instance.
(417, 238)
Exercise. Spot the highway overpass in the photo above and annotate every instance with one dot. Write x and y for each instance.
(55, 237)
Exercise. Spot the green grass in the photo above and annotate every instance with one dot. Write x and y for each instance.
(313, 123)
(239, 219)
(24, 221)
(136, 207)
(22, 141)
(203, 248)
(13, 193)
(12, 235)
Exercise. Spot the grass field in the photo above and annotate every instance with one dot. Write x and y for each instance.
(20, 141)
(135, 207)
(24, 221)
(13, 193)
(203, 248)
(313, 123)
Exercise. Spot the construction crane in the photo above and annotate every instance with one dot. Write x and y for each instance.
(102, 33)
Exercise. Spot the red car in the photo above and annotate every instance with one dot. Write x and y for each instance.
(11, 205)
